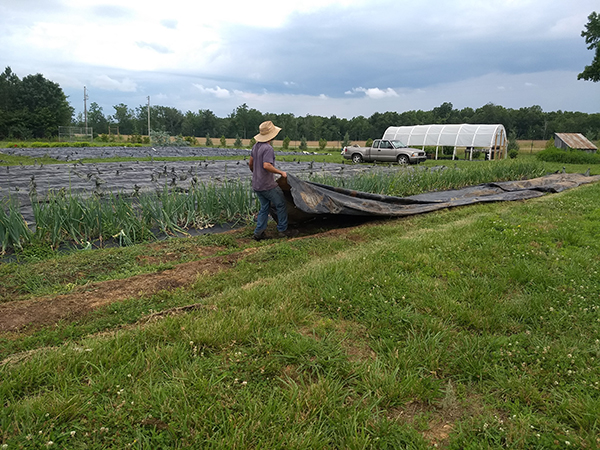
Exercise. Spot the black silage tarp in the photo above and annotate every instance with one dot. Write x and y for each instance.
(307, 199)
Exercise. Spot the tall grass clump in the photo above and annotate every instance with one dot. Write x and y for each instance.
(14, 231)
(554, 154)
(67, 217)
(413, 181)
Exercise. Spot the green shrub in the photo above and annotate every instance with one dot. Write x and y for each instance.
(286, 143)
(512, 154)
(223, 142)
(369, 142)
(322, 144)
(568, 156)
(303, 144)
(252, 142)
(135, 138)
(238, 142)
(191, 140)
(160, 138)
(209, 142)
(39, 145)
(179, 141)
(512, 142)
(448, 150)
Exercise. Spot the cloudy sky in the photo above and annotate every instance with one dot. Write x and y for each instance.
(319, 57)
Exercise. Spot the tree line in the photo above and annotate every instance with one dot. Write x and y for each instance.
(34, 108)
(524, 123)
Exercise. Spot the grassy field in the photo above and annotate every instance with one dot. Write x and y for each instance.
(477, 327)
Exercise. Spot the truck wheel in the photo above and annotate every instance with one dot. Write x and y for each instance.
(403, 160)
(357, 158)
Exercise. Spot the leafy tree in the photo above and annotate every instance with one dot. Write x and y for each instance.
(31, 107)
(322, 143)
(167, 119)
(96, 119)
(360, 128)
(208, 123)
(209, 142)
(592, 38)
(223, 142)
(443, 112)
(46, 105)
(125, 119)
(190, 124)
(286, 143)
(10, 116)
(529, 122)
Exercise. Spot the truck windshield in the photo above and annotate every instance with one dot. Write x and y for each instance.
(398, 144)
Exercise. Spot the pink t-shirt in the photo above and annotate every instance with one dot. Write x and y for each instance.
(262, 152)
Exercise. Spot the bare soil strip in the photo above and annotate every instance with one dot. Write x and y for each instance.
(33, 313)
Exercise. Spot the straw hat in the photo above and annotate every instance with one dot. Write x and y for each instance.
(267, 132)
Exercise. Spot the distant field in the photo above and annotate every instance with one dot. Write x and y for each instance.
(531, 146)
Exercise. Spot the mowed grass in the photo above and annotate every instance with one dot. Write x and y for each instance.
(477, 327)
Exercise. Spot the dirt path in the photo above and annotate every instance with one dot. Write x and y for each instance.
(33, 313)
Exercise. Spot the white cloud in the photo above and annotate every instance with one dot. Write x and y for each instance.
(110, 84)
(216, 91)
(374, 93)
(156, 47)
(169, 23)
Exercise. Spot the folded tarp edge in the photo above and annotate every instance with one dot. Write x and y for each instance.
(318, 199)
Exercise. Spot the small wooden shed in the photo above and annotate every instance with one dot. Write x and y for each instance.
(575, 141)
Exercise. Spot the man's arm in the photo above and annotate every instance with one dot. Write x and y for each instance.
(251, 164)
(271, 168)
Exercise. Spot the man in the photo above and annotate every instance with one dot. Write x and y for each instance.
(262, 165)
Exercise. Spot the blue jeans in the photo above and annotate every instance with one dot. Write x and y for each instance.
(265, 198)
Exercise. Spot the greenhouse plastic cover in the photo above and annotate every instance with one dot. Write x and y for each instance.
(308, 200)
(455, 135)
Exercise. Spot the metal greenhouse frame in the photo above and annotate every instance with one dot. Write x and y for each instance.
(490, 139)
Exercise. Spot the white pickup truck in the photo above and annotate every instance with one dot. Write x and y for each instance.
(384, 150)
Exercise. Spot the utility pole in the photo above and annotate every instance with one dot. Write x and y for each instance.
(85, 98)
(148, 117)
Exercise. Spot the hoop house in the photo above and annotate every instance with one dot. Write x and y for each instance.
(490, 139)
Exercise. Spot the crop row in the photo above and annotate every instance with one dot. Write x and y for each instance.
(64, 216)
